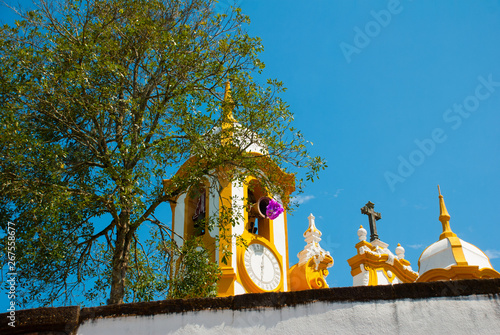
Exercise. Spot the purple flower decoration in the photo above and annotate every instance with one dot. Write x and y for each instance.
(274, 209)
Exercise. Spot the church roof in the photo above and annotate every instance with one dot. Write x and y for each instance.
(440, 255)
(452, 257)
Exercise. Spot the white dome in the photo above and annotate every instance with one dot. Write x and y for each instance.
(440, 255)
(451, 257)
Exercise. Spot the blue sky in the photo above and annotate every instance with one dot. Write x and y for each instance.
(398, 97)
(367, 81)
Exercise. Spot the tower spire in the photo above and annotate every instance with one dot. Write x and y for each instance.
(228, 104)
(227, 115)
(444, 217)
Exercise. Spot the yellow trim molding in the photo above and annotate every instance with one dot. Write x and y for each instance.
(457, 272)
(373, 262)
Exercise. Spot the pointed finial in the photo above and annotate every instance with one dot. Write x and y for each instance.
(443, 213)
(227, 115)
(312, 233)
(228, 99)
(312, 225)
(444, 217)
(227, 92)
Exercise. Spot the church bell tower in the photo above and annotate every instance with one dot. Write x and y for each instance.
(252, 252)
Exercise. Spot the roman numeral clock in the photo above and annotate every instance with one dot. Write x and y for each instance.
(262, 267)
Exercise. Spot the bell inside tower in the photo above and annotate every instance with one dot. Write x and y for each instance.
(257, 202)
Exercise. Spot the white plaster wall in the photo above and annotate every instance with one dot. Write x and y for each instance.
(238, 205)
(238, 288)
(213, 207)
(381, 278)
(280, 243)
(463, 315)
(179, 219)
(396, 281)
(213, 212)
(361, 279)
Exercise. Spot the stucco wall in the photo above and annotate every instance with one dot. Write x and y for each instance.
(452, 315)
(452, 307)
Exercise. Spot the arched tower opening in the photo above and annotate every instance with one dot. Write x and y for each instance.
(257, 200)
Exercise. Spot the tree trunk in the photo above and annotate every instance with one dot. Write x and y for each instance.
(120, 262)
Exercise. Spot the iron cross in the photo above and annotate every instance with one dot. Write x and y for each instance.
(373, 217)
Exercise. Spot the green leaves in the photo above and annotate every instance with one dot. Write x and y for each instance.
(102, 100)
(195, 275)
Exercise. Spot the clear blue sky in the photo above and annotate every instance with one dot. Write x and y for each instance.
(378, 87)
(364, 99)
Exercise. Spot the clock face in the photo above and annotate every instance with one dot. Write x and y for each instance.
(262, 267)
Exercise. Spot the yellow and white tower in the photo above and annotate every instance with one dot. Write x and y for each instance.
(253, 251)
(451, 258)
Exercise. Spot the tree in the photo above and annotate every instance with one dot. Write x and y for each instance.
(100, 101)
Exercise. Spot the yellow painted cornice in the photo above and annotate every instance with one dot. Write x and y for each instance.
(456, 272)
(371, 261)
(267, 166)
(275, 173)
(366, 244)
